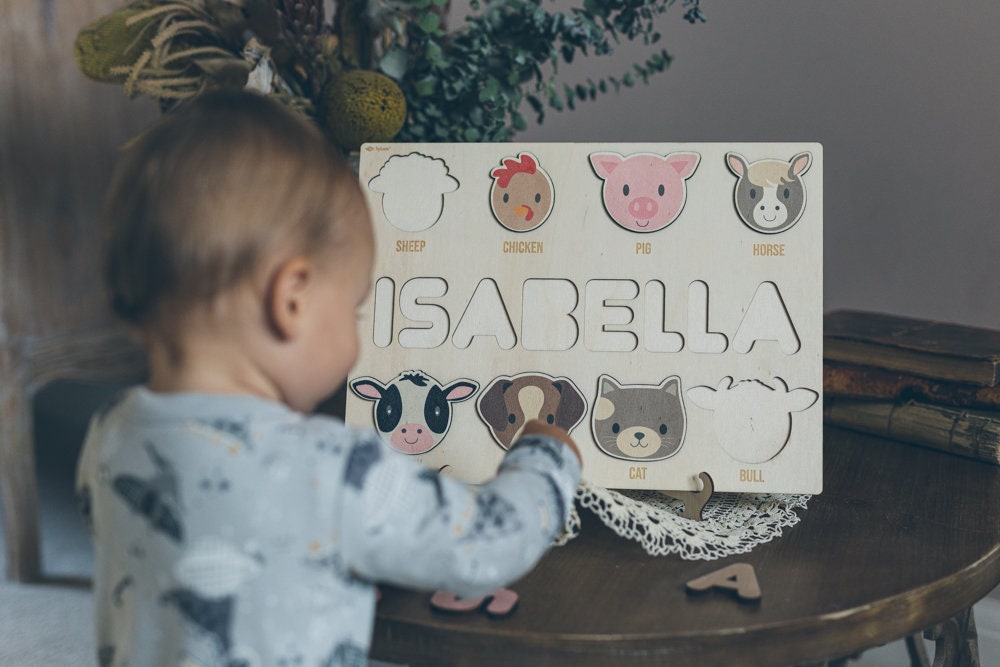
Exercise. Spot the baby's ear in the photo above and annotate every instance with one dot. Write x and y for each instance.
(285, 300)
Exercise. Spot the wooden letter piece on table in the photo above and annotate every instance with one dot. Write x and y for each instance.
(501, 602)
(739, 577)
(694, 501)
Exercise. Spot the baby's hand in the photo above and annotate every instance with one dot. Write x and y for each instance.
(538, 427)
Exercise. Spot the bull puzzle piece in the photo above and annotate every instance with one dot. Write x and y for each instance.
(752, 420)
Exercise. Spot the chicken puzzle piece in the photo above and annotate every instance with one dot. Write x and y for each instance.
(522, 195)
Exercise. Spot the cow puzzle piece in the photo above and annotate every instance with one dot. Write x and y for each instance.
(413, 412)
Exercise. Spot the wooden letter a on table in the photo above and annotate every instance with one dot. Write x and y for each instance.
(739, 577)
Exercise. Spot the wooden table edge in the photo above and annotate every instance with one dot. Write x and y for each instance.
(804, 640)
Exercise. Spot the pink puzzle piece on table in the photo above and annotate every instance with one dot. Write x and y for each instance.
(644, 192)
(501, 602)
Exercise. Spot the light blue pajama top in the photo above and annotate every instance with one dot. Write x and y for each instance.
(231, 531)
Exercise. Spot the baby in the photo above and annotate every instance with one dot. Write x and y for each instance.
(231, 527)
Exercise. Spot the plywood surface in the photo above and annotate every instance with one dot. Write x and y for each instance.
(628, 292)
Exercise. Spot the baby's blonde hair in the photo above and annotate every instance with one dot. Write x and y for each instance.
(210, 193)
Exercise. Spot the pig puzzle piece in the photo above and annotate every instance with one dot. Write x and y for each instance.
(522, 194)
(738, 577)
(644, 192)
(413, 188)
(500, 602)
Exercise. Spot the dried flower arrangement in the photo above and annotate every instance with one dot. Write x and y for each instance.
(380, 69)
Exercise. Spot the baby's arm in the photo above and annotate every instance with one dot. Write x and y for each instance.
(406, 525)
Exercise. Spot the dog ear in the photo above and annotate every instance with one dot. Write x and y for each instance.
(492, 407)
(571, 404)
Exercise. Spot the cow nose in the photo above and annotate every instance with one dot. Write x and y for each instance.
(642, 207)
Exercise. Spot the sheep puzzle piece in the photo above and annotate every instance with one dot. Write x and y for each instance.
(661, 302)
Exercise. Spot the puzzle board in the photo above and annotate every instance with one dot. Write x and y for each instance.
(661, 301)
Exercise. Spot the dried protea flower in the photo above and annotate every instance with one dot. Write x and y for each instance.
(303, 21)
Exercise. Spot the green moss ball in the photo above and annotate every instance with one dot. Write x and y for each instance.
(363, 106)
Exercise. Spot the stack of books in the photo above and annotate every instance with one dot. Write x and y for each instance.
(928, 383)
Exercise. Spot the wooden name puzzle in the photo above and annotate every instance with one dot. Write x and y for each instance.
(661, 302)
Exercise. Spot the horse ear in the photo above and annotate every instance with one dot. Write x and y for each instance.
(737, 164)
(800, 164)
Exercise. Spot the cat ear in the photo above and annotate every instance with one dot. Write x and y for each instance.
(671, 385)
(607, 384)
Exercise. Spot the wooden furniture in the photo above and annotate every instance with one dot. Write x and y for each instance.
(58, 136)
(903, 539)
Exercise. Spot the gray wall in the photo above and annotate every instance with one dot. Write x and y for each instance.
(903, 94)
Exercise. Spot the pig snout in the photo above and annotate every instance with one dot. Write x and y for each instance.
(643, 208)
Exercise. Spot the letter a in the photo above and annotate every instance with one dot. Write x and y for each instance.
(739, 577)
(766, 319)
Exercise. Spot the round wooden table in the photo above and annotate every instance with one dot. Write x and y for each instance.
(901, 539)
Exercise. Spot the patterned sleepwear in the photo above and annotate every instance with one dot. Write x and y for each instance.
(231, 531)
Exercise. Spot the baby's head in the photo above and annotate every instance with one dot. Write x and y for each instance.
(222, 192)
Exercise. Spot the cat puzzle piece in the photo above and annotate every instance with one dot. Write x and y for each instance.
(738, 577)
(501, 602)
(695, 501)
(522, 194)
(413, 188)
(639, 421)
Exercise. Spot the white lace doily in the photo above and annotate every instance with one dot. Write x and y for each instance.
(734, 523)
